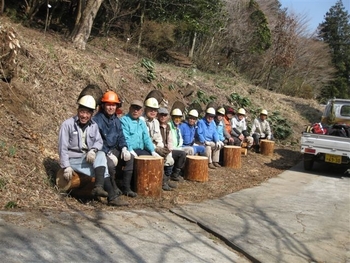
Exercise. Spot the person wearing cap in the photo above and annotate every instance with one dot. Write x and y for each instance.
(173, 140)
(208, 136)
(135, 131)
(260, 130)
(188, 131)
(239, 129)
(114, 143)
(151, 112)
(79, 146)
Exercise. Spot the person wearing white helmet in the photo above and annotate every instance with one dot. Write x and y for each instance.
(188, 131)
(260, 129)
(174, 142)
(80, 145)
(239, 129)
(208, 136)
(153, 126)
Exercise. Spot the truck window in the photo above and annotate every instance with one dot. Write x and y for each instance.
(345, 111)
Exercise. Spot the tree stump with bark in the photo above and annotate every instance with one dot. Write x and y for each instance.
(232, 156)
(9, 49)
(80, 185)
(267, 147)
(148, 173)
(196, 168)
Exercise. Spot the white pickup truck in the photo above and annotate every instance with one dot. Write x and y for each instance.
(328, 148)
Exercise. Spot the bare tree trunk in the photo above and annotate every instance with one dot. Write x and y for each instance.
(190, 55)
(82, 30)
(2, 7)
(141, 29)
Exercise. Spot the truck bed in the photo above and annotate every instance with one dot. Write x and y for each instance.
(325, 144)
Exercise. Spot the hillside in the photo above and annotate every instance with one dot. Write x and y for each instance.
(50, 75)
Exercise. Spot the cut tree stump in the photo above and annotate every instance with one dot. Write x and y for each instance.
(267, 147)
(196, 168)
(148, 173)
(232, 156)
(80, 185)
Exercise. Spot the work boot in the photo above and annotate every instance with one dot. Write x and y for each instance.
(211, 166)
(217, 165)
(115, 187)
(175, 176)
(257, 148)
(99, 182)
(127, 176)
(118, 201)
(166, 176)
(165, 185)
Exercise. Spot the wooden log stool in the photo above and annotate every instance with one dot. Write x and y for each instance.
(232, 156)
(244, 149)
(80, 185)
(267, 147)
(196, 168)
(148, 173)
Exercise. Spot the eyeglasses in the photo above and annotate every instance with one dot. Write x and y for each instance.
(135, 107)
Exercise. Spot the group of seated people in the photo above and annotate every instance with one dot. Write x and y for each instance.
(104, 145)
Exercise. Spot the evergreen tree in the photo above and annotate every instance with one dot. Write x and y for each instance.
(335, 31)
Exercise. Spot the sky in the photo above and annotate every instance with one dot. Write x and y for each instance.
(315, 10)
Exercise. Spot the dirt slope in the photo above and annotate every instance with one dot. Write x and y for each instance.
(49, 78)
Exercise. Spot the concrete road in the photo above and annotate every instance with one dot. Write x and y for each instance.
(120, 236)
(296, 217)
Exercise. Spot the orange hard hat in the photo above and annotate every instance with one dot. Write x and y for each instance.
(111, 97)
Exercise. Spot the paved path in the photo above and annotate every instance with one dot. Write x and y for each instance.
(295, 217)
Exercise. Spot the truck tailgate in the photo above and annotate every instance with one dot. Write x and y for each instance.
(326, 144)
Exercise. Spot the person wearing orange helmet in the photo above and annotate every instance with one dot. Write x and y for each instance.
(114, 143)
(80, 145)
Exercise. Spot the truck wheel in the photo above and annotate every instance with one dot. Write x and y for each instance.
(308, 163)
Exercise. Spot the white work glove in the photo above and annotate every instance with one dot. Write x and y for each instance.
(91, 156)
(217, 145)
(133, 153)
(221, 144)
(126, 155)
(113, 158)
(268, 137)
(155, 154)
(68, 173)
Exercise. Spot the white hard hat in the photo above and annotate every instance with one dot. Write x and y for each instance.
(152, 103)
(263, 112)
(241, 111)
(211, 111)
(87, 101)
(193, 113)
(176, 112)
(221, 110)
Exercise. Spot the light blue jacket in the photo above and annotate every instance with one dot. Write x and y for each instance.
(136, 134)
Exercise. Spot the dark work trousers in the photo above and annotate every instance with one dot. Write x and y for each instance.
(179, 157)
(122, 166)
